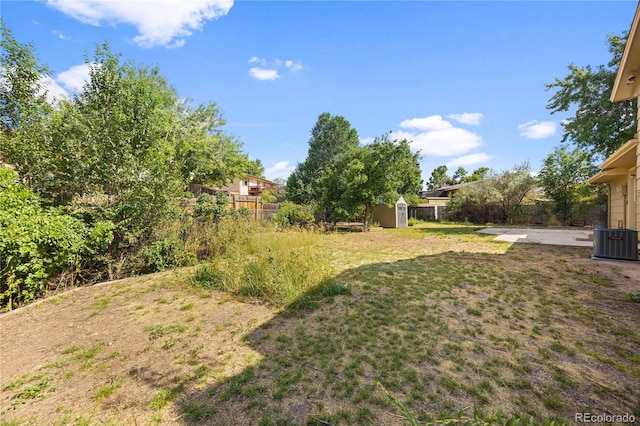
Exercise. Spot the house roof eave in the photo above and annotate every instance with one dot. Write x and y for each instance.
(608, 175)
(622, 157)
(627, 82)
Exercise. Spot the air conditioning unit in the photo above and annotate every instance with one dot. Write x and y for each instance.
(615, 244)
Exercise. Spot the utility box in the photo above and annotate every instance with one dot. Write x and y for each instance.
(615, 244)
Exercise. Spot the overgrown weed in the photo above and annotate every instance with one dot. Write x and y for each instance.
(283, 268)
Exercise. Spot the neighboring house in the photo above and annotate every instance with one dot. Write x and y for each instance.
(443, 192)
(249, 185)
(433, 201)
(621, 170)
(431, 206)
(244, 193)
(446, 191)
(391, 217)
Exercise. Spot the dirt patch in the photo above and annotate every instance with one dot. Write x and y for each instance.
(149, 335)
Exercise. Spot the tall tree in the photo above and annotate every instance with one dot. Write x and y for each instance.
(204, 153)
(459, 175)
(478, 174)
(439, 178)
(564, 177)
(506, 189)
(23, 107)
(256, 168)
(513, 186)
(598, 125)
(366, 175)
(117, 136)
(331, 136)
(128, 138)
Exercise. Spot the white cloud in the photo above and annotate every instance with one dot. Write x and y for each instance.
(255, 59)
(470, 160)
(293, 66)
(433, 122)
(60, 35)
(282, 169)
(159, 22)
(537, 130)
(438, 137)
(263, 74)
(366, 141)
(75, 77)
(473, 118)
(274, 66)
(54, 91)
(45, 86)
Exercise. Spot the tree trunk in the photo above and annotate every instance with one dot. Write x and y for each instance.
(367, 212)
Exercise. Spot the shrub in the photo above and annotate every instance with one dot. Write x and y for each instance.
(164, 254)
(209, 207)
(293, 214)
(413, 221)
(35, 242)
(244, 213)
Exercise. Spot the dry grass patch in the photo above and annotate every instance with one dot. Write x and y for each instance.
(444, 319)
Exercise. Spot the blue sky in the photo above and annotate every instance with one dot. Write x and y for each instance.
(463, 80)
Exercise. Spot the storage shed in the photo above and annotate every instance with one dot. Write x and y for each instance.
(391, 217)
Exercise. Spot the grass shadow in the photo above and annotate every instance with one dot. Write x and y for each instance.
(539, 330)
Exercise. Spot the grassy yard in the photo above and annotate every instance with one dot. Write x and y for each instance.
(440, 318)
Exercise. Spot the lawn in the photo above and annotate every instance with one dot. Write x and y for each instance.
(439, 319)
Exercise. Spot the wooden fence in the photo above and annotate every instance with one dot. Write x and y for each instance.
(253, 203)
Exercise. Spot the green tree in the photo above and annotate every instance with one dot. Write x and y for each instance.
(269, 196)
(256, 168)
(564, 177)
(331, 136)
(366, 175)
(513, 186)
(459, 175)
(439, 178)
(478, 174)
(474, 203)
(24, 109)
(598, 125)
(204, 153)
(129, 139)
(498, 197)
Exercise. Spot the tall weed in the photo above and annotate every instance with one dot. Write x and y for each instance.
(279, 267)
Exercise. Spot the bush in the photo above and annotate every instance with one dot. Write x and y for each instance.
(164, 254)
(413, 221)
(35, 242)
(290, 214)
(209, 207)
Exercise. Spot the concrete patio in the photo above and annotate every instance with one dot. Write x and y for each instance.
(560, 237)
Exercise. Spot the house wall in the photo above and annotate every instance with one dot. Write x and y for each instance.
(440, 201)
(636, 190)
(238, 187)
(616, 202)
(385, 216)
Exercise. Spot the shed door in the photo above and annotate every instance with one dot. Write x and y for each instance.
(402, 215)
